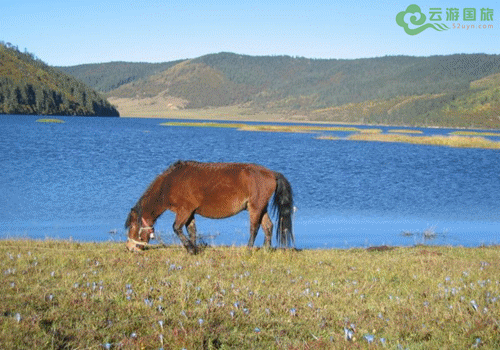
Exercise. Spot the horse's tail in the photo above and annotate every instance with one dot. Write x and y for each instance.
(283, 207)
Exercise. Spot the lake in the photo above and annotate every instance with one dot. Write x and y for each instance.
(79, 180)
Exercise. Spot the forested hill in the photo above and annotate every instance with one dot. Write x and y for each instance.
(105, 77)
(29, 86)
(455, 90)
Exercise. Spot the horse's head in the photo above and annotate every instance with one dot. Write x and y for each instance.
(139, 231)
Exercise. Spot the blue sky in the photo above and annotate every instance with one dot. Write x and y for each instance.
(76, 32)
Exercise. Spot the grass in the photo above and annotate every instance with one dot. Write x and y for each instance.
(45, 120)
(204, 124)
(161, 108)
(475, 133)
(327, 137)
(59, 294)
(448, 141)
(406, 131)
(275, 128)
(363, 134)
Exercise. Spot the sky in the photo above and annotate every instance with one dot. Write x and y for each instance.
(65, 33)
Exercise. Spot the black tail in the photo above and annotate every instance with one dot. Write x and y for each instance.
(283, 206)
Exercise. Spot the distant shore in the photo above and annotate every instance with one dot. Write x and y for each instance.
(231, 113)
(242, 114)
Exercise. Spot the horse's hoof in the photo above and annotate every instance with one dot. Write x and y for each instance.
(192, 250)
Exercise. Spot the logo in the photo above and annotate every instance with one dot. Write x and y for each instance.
(414, 21)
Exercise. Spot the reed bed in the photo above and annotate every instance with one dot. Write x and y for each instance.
(59, 294)
(275, 128)
(49, 120)
(475, 133)
(437, 140)
(363, 134)
(405, 131)
(205, 124)
(308, 128)
(327, 137)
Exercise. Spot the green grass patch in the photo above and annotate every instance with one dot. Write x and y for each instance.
(58, 294)
(46, 120)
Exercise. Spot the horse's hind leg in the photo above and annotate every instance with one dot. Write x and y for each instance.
(191, 228)
(180, 221)
(255, 218)
(267, 225)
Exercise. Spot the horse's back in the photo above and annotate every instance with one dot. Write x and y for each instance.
(214, 172)
(213, 177)
(222, 189)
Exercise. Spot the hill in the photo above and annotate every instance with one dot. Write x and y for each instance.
(105, 77)
(29, 86)
(460, 90)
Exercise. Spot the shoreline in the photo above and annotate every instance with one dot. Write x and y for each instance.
(235, 114)
(307, 122)
(162, 246)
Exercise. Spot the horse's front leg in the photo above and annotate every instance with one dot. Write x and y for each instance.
(180, 221)
(191, 228)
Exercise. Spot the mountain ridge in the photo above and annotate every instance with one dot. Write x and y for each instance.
(434, 90)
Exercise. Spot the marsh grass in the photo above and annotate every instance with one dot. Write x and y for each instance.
(475, 133)
(436, 140)
(205, 124)
(71, 295)
(274, 128)
(405, 131)
(45, 120)
(327, 137)
(361, 134)
(428, 234)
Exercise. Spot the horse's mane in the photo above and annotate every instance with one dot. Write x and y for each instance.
(138, 207)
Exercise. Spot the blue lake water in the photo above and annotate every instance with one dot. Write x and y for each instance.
(79, 180)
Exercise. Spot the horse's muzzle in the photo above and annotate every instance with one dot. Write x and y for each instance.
(135, 246)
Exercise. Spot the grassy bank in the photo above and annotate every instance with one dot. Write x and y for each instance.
(154, 108)
(71, 295)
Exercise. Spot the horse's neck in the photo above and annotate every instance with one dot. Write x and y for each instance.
(155, 203)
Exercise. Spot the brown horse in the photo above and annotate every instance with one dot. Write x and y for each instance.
(212, 190)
